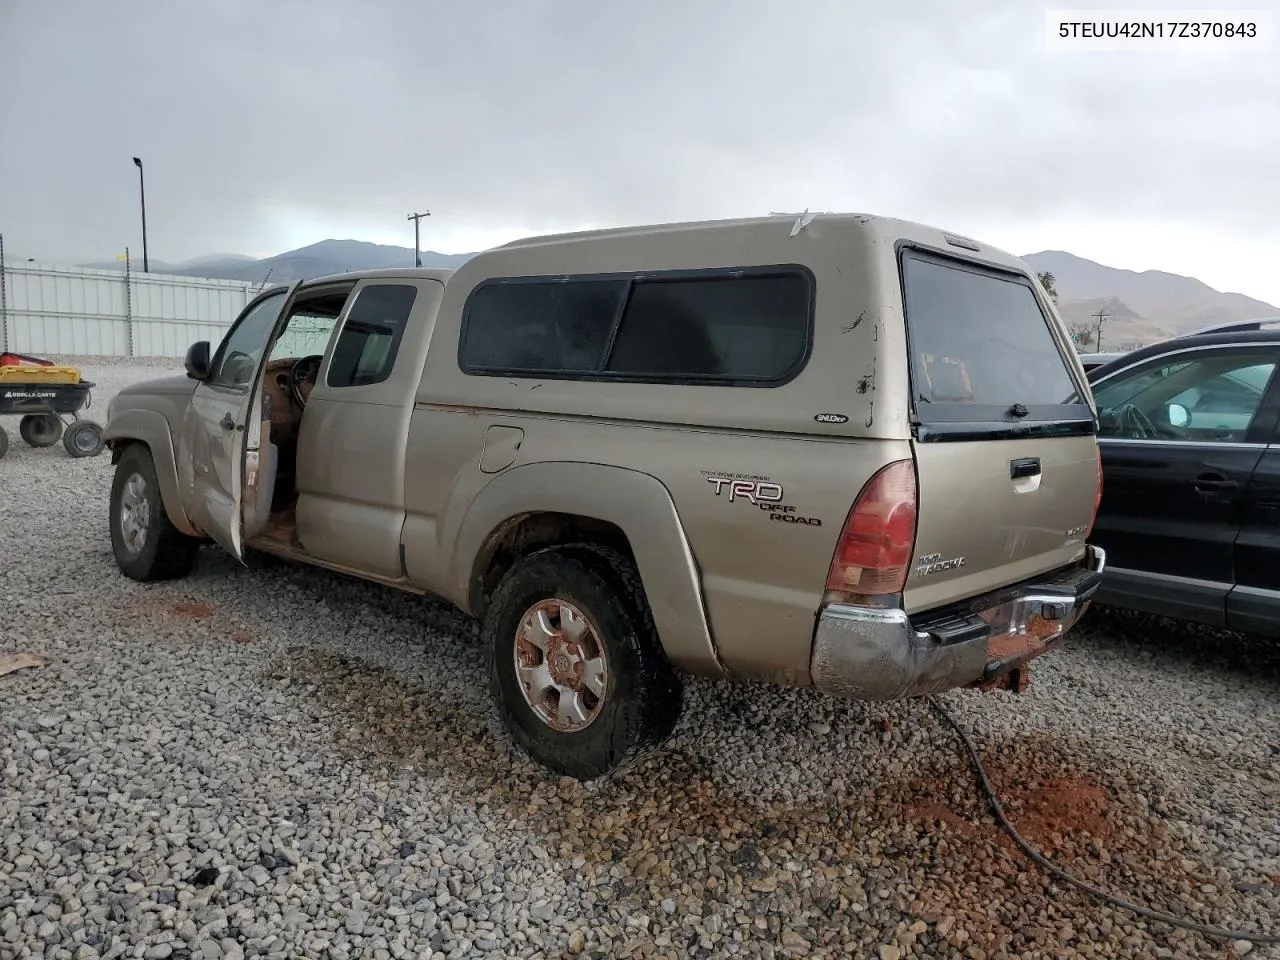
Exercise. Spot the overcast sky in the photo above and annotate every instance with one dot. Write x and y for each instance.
(269, 125)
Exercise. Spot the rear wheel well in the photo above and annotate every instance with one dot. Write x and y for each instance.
(523, 534)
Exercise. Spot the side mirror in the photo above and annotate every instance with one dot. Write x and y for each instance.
(1179, 416)
(197, 361)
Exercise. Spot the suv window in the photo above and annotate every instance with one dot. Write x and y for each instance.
(979, 338)
(749, 326)
(370, 339)
(238, 356)
(1212, 397)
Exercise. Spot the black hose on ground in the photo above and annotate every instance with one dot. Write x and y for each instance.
(1050, 867)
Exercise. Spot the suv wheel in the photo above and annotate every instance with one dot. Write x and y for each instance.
(146, 545)
(575, 662)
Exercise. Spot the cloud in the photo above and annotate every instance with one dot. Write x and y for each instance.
(260, 122)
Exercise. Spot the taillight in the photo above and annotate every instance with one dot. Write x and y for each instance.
(873, 554)
(1097, 497)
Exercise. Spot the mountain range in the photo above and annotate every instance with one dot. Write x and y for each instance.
(317, 260)
(1139, 307)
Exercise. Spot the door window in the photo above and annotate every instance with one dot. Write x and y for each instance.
(370, 339)
(1212, 397)
(242, 348)
(310, 324)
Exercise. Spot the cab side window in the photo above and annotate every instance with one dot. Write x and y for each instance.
(365, 352)
(1211, 398)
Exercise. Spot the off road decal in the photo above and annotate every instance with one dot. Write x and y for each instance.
(761, 492)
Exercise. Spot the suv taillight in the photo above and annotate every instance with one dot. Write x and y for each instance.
(873, 553)
(1097, 497)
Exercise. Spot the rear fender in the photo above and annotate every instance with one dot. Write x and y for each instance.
(636, 503)
(152, 429)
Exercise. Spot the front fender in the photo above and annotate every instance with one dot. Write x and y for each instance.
(152, 429)
(636, 503)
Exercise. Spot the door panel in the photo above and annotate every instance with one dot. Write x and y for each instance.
(351, 482)
(214, 433)
(351, 444)
(1173, 508)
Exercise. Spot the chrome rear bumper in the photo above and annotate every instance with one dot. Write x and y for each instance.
(868, 653)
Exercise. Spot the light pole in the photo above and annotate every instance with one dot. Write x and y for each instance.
(142, 193)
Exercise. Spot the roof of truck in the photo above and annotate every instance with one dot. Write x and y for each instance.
(383, 273)
(797, 221)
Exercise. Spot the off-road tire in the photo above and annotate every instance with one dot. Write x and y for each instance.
(40, 429)
(167, 553)
(644, 692)
(83, 439)
(4, 443)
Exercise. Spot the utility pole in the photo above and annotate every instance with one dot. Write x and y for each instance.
(142, 192)
(1097, 337)
(416, 217)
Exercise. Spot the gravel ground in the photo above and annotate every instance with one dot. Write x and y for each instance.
(282, 762)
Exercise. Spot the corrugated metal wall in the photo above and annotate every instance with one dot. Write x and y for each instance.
(82, 311)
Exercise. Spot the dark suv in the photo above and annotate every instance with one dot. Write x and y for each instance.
(1190, 515)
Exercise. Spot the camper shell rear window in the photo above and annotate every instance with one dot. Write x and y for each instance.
(981, 348)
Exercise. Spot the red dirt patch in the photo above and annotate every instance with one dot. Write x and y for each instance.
(190, 610)
(170, 615)
(1057, 807)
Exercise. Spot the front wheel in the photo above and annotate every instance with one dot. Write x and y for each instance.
(146, 545)
(575, 662)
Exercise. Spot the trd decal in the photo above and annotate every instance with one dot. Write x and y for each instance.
(762, 492)
(757, 491)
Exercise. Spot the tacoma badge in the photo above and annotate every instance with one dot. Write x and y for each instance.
(933, 563)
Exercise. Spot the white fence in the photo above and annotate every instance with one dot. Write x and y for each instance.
(47, 309)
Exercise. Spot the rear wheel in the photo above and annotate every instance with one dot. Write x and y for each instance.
(40, 429)
(575, 662)
(147, 547)
(83, 439)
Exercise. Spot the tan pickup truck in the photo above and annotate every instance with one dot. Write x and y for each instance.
(837, 450)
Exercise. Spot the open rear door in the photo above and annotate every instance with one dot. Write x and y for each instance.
(220, 420)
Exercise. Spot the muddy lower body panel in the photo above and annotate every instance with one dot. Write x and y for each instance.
(875, 654)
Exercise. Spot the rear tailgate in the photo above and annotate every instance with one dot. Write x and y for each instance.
(1005, 449)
